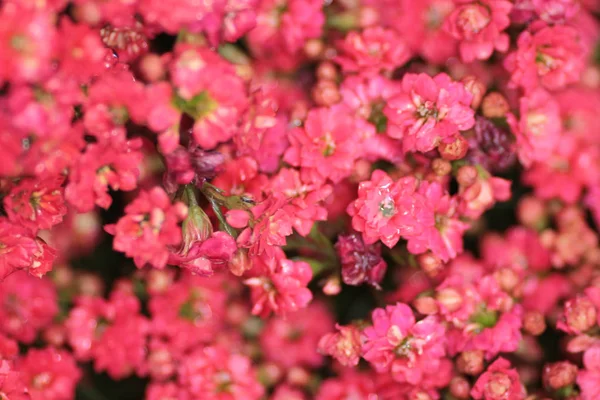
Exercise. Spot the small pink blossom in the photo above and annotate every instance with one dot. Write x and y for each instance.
(429, 111)
(499, 382)
(588, 379)
(479, 27)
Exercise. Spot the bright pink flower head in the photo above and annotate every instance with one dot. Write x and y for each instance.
(27, 39)
(350, 385)
(397, 343)
(210, 92)
(215, 373)
(552, 57)
(372, 50)
(50, 374)
(556, 11)
(386, 210)
(588, 379)
(305, 199)
(272, 224)
(477, 198)
(429, 111)
(539, 128)
(81, 51)
(499, 382)
(361, 263)
(479, 26)
(279, 285)
(445, 237)
(28, 305)
(581, 313)
(20, 248)
(299, 333)
(420, 23)
(327, 146)
(343, 345)
(36, 204)
(112, 165)
(12, 386)
(149, 227)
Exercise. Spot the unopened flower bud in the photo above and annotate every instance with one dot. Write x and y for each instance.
(314, 48)
(476, 87)
(344, 345)
(326, 71)
(459, 387)
(495, 105)
(426, 305)
(367, 16)
(450, 299)
(298, 376)
(240, 262)
(332, 286)
(559, 374)
(326, 93)
(580, 314)
(534, 323)
(430, 264)
(152, 67)
(441, 167)
(531, 212)
(454, 150)
(470, 362)
(466, 175)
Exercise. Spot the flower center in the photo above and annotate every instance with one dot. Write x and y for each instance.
(387, 207)
(328, 144)
(427, 110)
(472, 19)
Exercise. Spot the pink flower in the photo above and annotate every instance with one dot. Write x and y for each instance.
(343, 345)
(148, 228)
(327, 146)
(361, 263)
(81, 51)
(386, 210)
(371, 51)
(421, 25)
(479, 27)
(480, 196)
(305, 199)
(588, 379)
(299, 333)
(114, 165)
(539, 129)
(36, 204)
(397, 343)
(444, 238)
(51, 374)
(215, 373)
(499, 382)
(272, 223)
(210, 92)
(19, 248)
(552, 57)
(556, 11)
(29, 305)
(429, 111)
(11, 384)
(279, 285)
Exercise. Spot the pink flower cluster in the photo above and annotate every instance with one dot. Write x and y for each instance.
(300, 199)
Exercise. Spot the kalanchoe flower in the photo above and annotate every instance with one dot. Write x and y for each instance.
(490, 146)
(559, 375)
(327, 146)
(299, 332)
(398, 343)
(538, 131)
(479, 26)
(372, 51)
(12, 385)
(588, 379)
(428, 111)
(386, 210)
(556, 11)
(361, 263)
(279, 285)
(343, 345)
(51, 374)
(210, 92)
(499, 382)
(216, 373)
(552, 57)
(114, 165)
(148, 228)
(581, 313)
(36, 204)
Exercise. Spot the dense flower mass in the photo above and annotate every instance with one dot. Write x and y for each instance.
(300, 199)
